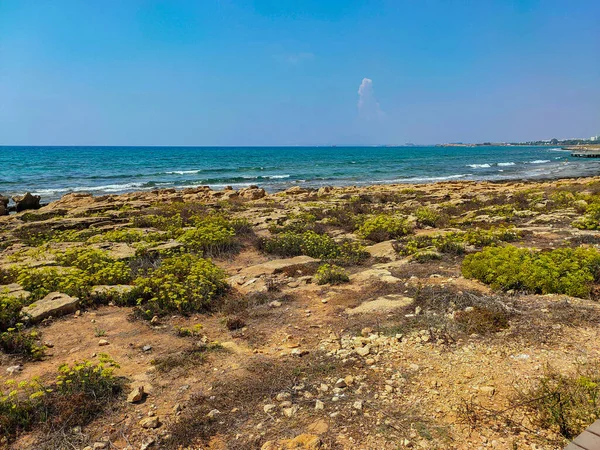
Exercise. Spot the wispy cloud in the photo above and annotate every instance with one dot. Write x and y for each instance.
(368, 106)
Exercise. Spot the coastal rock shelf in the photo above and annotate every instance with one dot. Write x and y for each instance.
(386, 316)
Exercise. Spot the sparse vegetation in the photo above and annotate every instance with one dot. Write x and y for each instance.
(565, 403)
(77, 395)
(331, 274)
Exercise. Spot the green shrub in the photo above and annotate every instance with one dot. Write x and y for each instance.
(18, 341)
(126, 235)
(10, 310)
(591, 219)
(331, 274)
(424, 256)
(79, 394)
(97, 264)
(565, 403)
(428, 217)
(562, 271)
(210, 236)
(315, 245)
(183, 284)
(43, 280)
(384, 227)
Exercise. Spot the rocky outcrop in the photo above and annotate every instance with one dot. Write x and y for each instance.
(27, 201)
(3, 205)
(54, 304)
(252, 193)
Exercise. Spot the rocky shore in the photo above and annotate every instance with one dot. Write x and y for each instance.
(337, 318)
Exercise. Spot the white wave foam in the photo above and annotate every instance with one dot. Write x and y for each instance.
(182, 172)
(277, 176)
(504, 164)
(478, 166)
(540, 161)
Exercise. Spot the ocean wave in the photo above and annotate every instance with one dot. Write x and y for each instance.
(275, 177)
(182, 172)
(503, 164)
(478, 166)
(540, 161)
(558, 149)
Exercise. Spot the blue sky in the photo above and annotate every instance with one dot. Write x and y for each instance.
(283, 72)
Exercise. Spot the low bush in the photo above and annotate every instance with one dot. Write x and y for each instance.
(183, 284)
(481, 320)
(384, 227)
(561, 271)
(194, 330)
(591, 219)
(78, 394)
(428, 217)
(565, 403)
(43, 280)
(211, 236)
(454, 243)
(18, 341)
(331, 274)
(97, 264)
(126, 235)
(315, 245)
(10, 310)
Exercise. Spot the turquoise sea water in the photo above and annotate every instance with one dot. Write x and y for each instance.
(54, 171)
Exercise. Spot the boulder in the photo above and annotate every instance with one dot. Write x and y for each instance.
(383, 249)
(54, 304)
(252, 193)
(27, 201)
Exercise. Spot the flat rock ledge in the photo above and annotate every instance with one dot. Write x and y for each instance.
(276, 266)
(54, 304)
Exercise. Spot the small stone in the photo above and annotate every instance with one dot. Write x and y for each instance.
(275, 304)
(370, 361)
(103, 342)
(366, 331)
(358, 405)
(14, 369)
(319, 405)
(285, 404)
(213, 413)
(340, 383)
(363, 351)
(268, 408)
(136, 395)
(324, 301)
(147, 348)
(177, 408)
(323, 387)
(289, 412)
(349, 379)
(99, 445)
(282, 396)
(155, 320)
(150, 422)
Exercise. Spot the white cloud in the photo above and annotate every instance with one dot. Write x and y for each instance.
(368, 106)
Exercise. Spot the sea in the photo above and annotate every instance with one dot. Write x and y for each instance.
(54, 171)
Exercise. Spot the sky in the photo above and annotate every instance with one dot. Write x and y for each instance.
(297, 72)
